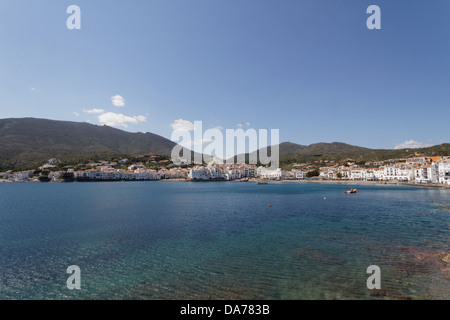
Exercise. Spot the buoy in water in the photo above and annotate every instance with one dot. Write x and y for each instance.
(270, 206)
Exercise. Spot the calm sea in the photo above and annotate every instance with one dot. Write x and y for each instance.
(217, 240)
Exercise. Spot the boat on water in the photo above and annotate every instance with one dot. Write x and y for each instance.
(351, 190)
(262, 182)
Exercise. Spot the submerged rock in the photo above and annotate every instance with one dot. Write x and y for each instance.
(436, 259)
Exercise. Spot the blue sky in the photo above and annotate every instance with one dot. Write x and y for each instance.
(311, 69)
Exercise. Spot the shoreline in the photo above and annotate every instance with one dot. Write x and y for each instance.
(343, 182)
(362, 182)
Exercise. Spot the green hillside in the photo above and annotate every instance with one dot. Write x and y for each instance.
(291, 153)
(27, 143)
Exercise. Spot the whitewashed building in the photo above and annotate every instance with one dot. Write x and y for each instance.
(266, 173)
(397, 173)
(370, 175)
(378, 174)
(300, 174)
(327, 174)
(444, 173)
(199, 174)
(427, 174)
(357, 174)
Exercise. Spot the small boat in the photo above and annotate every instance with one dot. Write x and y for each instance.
(351, 190)
(262, 182)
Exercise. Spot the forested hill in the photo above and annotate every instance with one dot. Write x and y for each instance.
(294, 153)
(28, 142)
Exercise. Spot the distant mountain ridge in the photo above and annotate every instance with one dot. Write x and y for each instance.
(28, 142)
(291, 153)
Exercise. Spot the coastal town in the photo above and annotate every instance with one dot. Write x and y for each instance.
(414, 170)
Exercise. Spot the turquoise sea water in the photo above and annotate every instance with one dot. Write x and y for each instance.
(217, 240)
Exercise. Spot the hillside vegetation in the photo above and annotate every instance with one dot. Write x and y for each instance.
(27, 143)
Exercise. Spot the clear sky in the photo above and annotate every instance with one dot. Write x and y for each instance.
(311, 69)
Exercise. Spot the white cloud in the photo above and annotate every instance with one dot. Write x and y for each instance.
(33, 89)
(240, 125)
(94, 111)
(76, 114)
(183, 125)
(118, 101)
(219, 128)
(247, 124)
(140, 118)
(117, 119)
(412, 144)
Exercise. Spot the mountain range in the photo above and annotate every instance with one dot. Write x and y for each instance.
(294, 153)
(30, 142)
(27, 143)
(291, 153)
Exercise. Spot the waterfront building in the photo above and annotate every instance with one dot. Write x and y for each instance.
(444, 173)
(427, 174)
(271, 174)
(398, 173)
(300, 175)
